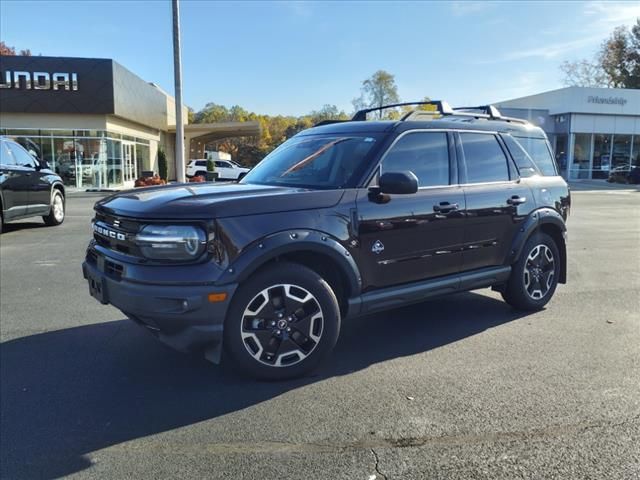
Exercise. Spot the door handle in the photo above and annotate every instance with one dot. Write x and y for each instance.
(445, 207)
(516, 200)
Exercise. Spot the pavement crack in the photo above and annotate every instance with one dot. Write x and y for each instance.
(377, 465)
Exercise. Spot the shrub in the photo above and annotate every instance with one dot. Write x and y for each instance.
(162, 164)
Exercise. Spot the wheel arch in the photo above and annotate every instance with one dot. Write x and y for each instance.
(548, 221)
(315, 250)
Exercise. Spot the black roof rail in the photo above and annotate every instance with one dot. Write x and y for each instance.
(442, 107)
(488, 112)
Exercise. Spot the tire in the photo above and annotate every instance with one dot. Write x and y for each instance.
(534, 277)
(200, 174)
(242, 175)
(57, 213)
(1, 220)
(281, 323)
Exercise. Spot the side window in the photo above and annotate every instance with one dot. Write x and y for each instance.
(5, 156)
(539, 151)
(424, 153)
(219, 164)
(21, 156)
(201, 164)
(525, 165)
(226, 165)
(484, 158)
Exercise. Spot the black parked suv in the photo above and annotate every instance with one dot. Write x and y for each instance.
(28, 188)
(344, 219)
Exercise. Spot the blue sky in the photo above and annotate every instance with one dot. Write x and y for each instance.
(293, 57)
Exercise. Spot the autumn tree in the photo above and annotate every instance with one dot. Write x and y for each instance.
(10, 51)
(617, 64)
(378, 90)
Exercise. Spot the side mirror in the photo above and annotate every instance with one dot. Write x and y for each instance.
(400, 183)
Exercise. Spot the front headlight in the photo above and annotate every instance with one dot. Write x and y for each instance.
(171, 242)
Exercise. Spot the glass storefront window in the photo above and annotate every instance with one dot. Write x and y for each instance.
(143, 160)
(635, 155)
(114, 162)
(601, 156)
(65, 151)
(581, 156)
(621, 155)
(561, 152)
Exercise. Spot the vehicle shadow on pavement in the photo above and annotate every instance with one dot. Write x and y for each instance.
(70, 392)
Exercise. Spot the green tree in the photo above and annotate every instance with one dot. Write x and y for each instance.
(378, 90)
(162, 164)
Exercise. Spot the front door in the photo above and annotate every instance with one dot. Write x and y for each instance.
(129, 167)
(405, 238)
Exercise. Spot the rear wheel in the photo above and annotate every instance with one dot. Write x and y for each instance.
(57, 212)
(282, 322)
(534, 277)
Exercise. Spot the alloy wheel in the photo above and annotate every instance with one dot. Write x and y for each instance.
(58, 207)
(282, 325)
(539, 272)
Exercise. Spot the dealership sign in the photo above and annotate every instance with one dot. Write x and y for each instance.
(607, 100)
(22, 80)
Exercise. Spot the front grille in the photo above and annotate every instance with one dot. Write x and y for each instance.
(116, 233)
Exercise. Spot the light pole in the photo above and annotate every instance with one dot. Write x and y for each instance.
(177, 73)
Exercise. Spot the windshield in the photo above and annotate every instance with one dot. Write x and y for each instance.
(314, 161)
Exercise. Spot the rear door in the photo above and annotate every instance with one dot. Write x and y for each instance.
(35, 180)
(405, 238)
(225, 170)
(496, 201)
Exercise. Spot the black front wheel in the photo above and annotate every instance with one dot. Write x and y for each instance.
(534, 277)
(282, 322)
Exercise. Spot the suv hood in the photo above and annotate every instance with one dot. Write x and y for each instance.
(208, 201)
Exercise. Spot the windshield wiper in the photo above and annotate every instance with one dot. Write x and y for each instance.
(307, 160)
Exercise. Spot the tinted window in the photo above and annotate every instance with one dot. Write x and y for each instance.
(201, 164)
(21, 156)
(525, 165)
(539, 151)
(484, 158)
(220, 165)
(425, 154)
(5, 157)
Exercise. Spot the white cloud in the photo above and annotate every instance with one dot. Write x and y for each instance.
(607, 15)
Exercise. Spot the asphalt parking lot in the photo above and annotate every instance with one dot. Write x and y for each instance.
(456, 388)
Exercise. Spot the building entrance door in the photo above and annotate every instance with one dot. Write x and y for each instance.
(128, 164)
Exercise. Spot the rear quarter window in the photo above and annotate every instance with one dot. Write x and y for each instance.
(538, 150)
(526, 166)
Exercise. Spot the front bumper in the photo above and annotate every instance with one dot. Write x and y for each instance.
(178, 315)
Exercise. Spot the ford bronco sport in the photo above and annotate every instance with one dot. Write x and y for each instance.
(344, 219)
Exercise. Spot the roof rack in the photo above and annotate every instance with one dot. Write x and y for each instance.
(443, 108)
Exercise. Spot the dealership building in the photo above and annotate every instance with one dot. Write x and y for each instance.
(592, 130)
(96, 123)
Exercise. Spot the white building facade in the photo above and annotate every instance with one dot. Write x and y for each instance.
(592, 130)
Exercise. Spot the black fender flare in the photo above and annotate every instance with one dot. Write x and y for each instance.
(262, 251)
(535, 221)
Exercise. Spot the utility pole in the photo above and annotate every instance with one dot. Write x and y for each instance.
(177, 73)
